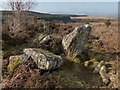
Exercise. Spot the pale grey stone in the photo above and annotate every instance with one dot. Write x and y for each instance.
(103, 74)
(98, 67)
(44, 59)
(74, 42)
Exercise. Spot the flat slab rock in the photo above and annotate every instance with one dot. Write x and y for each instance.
(44, 59)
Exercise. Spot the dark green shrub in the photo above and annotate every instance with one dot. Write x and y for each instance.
(107, 22)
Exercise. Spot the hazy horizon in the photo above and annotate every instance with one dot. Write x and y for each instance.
(109, 9)
(88, 8)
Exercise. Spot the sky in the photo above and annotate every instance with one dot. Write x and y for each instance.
(89, 7)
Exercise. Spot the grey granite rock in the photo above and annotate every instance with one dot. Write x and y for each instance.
(44, 59)
(74, 42)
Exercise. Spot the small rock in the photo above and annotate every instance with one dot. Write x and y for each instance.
(91, 63)
(114, 81)
(41, 39)
(98, 67)
(103, 74)
(103, 69)
(38, 38)
(45, 39)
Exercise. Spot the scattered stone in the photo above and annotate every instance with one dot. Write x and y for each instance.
(52, 43)
(103, 74)
(91, 63)
(98, 67)
(44, 59)
(55, 46)
(114, 81)
(114, 75)
(102, 70)
(45, 39)
(41, 38)
(74, 42)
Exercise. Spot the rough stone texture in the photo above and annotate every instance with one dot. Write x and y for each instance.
(44, 59)
(42, 38)
(91, 63)
(14, 61)
(114, 74)
(104, 76)
(114, 81)
(98, 67)
(101, 69)
(22, 57)
(52, 43)
(45, 39)
(74, 42)
(39, 37)
(108, 73)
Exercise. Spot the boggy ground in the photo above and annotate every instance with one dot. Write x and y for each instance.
(70, 75)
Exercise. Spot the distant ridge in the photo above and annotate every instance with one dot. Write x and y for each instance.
(41, 14)
(47, 16)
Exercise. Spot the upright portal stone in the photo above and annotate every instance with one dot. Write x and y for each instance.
(44, 59)
(74, 42)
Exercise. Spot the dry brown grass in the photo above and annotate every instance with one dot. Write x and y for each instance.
(108, 41)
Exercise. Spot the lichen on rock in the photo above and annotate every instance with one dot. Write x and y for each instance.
(91, 63)
(74, 42)
(45, 60)
(14, 61)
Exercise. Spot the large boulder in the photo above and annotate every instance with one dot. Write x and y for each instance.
(44, 59)
(74, 42)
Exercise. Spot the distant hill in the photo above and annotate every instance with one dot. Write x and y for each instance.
(46, 16)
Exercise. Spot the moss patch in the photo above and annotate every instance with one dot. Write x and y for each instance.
(91, 63)
(13, 65)
(73, 59)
